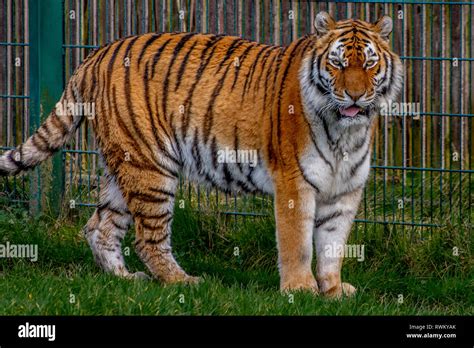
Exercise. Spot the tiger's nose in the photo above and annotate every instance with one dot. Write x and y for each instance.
(355, 95)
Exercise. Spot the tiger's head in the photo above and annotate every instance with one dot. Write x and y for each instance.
(351, 72)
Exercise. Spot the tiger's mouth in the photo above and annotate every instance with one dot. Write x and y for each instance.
(352, 111)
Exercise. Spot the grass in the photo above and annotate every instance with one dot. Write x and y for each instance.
(65, 280)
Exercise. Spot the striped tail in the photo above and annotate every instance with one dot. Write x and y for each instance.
(55, 131)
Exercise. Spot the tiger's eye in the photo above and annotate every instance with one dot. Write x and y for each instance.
(336, 63)
(370, 64)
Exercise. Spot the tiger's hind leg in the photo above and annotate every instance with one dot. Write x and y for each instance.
(106, 228)
(150, 197)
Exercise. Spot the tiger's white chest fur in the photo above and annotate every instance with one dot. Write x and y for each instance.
(337, 160)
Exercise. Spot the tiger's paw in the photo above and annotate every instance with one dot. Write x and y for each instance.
(307, 283)
(348, 289)
(191, 280)
(344, 290)
(139, 276)
(182, 279)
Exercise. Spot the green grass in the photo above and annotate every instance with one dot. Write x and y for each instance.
(421, 268)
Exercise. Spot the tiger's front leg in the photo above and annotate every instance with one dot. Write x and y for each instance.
(331, 229)
(294, 213)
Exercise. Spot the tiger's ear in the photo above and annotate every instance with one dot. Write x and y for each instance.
(384, 27)
(323, 23)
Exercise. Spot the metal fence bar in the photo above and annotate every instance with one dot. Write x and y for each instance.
(46, 88)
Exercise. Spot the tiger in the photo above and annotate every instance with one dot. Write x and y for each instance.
(167, 103)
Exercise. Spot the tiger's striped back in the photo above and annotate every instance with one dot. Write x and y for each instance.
(189, 96)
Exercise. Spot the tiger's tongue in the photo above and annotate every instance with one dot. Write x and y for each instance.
(351, 111)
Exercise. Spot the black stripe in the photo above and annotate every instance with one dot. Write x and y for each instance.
(326, 130)
(142, 215)
(385, 75)
(248, 79)
(214, 152)
(282, 87)
(177, 49)
(305, 177)
(64, 129)
(209, 118)
(162, 191)
(117, 225)
(321, 221)
(151, 116)
(276, 57)
(361, 142)
(360, 162)
(275, 74)
(176, 140)
(167, 173)
(243, 186)
(318, 150)
(19, 164)
(120, 123)
(211, 45)
(235, 44)
(325, 85)
(110, 66)
(163, 170)
(345, 39)
(47, 147)
(150, 41)
(264, 60)
(160, 225)
(44, 147)
(96, 69)
(322, 89)
(92, 70)
(102, 206)
(378, 70)
(158, 241)
(156, 59)
(210, 180)
(139, 245)
(338, 196)
(320, 58)
(321, 85)
(157, 56)
(392, 68)
(113, 210)
(109, 75)
(140, 135)
(45, 127)
(160, 119)
(228, 177)
(250, 178)
(145, 197)
(182, 67)
(236, 145)
(313, 62)
(238, 68)
(309, 45)
(106, 99)
(196, 152)
(92, 64)
(171, 172)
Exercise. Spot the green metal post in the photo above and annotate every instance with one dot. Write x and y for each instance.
(46, 86)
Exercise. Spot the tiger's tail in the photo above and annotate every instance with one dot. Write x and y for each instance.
(55, 131)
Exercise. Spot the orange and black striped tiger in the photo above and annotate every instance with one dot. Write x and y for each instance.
(173, 102)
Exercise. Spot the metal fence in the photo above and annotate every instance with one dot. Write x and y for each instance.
(421, 166)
